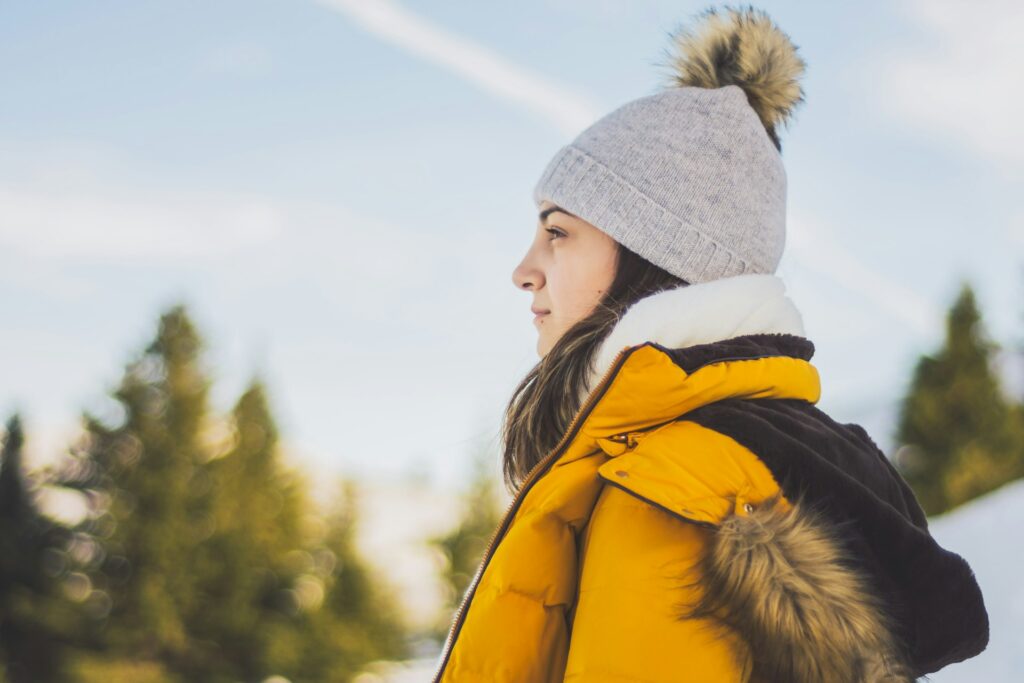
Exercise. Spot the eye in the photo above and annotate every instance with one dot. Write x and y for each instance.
(554, 232)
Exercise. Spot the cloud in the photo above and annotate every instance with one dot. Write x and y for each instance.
(476, 63)
(166, 226)
(961, 84)
(365, 265)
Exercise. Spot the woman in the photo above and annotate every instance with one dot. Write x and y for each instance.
(682, 510)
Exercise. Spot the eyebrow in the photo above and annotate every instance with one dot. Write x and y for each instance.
(543, 215)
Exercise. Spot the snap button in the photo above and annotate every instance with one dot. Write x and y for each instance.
(621, 473)
(748, 508)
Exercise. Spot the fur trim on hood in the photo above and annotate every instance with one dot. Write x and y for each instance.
(780, 579)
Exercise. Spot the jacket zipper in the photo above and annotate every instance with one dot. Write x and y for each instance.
(528, 482)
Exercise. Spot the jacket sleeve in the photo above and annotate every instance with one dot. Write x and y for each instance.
(625, 626)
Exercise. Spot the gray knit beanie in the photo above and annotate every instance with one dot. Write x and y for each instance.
(691, 178)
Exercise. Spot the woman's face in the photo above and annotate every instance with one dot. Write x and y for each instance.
(568, 267)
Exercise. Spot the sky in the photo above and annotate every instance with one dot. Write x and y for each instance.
(339, 191)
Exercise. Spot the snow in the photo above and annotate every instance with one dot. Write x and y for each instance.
(397, 519)
(413, 671)
(987, 533)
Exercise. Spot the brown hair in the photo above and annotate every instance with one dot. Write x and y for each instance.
(545, 401)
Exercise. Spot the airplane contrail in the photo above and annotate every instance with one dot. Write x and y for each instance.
(388, 20)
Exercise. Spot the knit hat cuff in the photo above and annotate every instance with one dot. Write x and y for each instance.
(584, 186)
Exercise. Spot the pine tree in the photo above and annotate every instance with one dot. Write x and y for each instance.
(955, 426)
(359, 620)
(149, 494)
(36, 620)
(463, 547)
(215, 564)
(1017, 402)
(254, 562)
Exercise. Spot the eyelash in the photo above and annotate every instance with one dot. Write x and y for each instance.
(554, 232)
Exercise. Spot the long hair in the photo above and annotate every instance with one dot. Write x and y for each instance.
(547, 398)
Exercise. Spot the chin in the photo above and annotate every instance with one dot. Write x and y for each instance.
(542, 347)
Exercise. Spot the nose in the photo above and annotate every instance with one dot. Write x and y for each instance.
(526, 275)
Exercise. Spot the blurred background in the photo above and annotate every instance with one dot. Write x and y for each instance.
(258, 326)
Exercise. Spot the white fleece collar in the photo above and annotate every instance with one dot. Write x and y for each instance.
(702, 313)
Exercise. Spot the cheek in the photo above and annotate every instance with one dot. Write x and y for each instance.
(604, 274)
(576, 288)
(597, 272)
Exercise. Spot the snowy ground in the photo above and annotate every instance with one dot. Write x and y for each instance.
(413, 671)
(987, 533)
(397, 518)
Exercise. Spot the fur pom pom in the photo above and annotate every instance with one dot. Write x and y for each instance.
(742, 47)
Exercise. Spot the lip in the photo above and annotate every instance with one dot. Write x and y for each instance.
(538, 316)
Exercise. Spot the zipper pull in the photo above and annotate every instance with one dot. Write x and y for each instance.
(628, 438)
(617, 444)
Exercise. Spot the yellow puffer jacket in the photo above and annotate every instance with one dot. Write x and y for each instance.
(702, 520)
